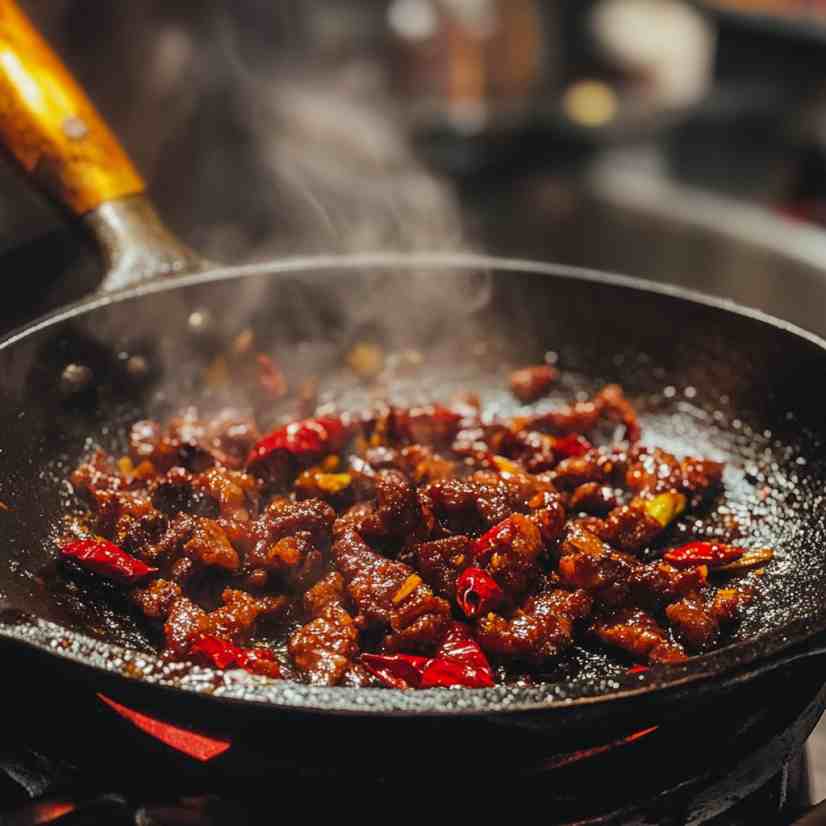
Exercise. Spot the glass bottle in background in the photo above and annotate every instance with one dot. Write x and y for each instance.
(472, 66)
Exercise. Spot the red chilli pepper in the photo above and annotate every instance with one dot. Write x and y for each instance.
(224, 655)
(637, 669)
(304, 438)
(477, 592)
(568, 447)
(396, 670)
(703, 553)
(104, 558)
(459, 661)
(501, 535)
(498, 534)
(447, 672)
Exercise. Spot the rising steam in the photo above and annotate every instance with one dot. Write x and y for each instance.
(258, 145)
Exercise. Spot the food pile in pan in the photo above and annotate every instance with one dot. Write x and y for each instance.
(410, 548)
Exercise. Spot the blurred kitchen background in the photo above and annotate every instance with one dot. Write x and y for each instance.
(679, 141)
(671, 140)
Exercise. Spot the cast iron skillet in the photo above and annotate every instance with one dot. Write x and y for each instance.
(709, 376)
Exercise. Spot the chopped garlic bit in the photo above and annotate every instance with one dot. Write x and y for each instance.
(366, 360)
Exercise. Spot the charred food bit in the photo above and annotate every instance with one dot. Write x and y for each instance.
(531, 383)
(75, 379)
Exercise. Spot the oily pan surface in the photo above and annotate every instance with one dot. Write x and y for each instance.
(706, 382)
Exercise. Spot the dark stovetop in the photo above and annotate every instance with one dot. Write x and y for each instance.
(75, 753)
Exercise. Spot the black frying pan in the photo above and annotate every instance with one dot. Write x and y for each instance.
(708, 376)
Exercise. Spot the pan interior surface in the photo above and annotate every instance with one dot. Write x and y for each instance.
(706, 380)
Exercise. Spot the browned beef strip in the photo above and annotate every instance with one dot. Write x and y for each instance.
(390, 594)
(537, 632)
(512, 557)
(440, 561)
(235, 619)
(209, 547)
(292, 540)
(699, 620)
(593, 497)
(157, 598)
(323, 649)
(617, 579)
(531, 383)
(396, 512)
(589, 563)
(630, 528)
(235, 493)
(582, 417)
(468, 506)
(637, 634)
(653, 470)
(185, 622)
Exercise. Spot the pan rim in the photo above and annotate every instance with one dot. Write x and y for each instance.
(726, 664)
(285, 266)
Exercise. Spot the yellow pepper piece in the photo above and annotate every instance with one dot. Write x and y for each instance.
(666, 507)
(408, 587)
(504, 465)
(125, 466)
(366, 360)
(332, 482)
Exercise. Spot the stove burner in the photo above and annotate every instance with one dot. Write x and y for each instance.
(194, 745)
(203, 748)
(100, 758)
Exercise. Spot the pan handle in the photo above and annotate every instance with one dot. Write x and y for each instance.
(66, 149)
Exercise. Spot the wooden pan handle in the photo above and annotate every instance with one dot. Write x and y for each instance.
(51, 127)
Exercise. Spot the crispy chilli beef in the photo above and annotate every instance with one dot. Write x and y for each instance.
(410, 547)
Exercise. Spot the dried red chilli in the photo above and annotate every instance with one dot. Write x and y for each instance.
(712, 554)
(224, 655)
(307, 438)
(637, 669)
(458, 662)
(498, 534)
(568, 447)
(477, 592)
(501, 535)
(446, 672)
(103, 557)
(396, 670)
